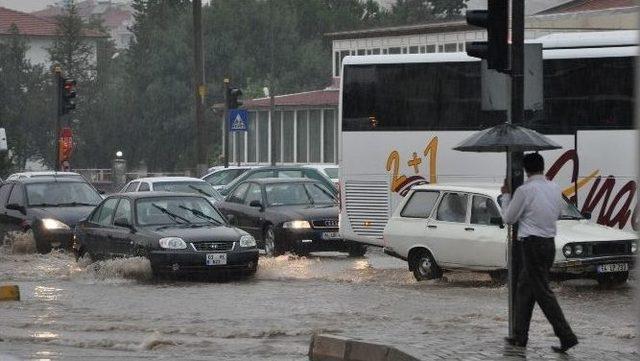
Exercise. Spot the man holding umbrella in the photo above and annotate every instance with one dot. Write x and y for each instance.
(536, 206)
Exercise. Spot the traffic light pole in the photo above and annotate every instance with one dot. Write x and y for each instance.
(59, 80)
(514, 160)
(225, 123)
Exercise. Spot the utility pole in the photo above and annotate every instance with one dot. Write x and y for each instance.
(225, 123)
(200, 87)
(514, 166)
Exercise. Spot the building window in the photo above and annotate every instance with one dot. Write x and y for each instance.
(252, 137)
(461, 47)
(360, 51)
(385, 51)
(287, 137)
(314, 136)
(375, 51)
(423, 49)
(440, 48)
(301, 136)
(395, 50)
(450, 48)
(431, 48)
(240, 146)
(413, 50)
(276, 124)
(336, 70)
(263, 137)
(342, 55)
(329, 136)
(368, 51)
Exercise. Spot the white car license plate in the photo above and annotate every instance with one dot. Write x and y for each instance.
(330, 235)
(613, 267)
(216, 259)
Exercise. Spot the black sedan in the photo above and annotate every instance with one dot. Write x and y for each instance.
(181, 234)
(50, 206)
(299, 215)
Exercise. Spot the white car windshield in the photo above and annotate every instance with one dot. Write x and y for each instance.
(287, 194)
(332, 172)
(202, 188)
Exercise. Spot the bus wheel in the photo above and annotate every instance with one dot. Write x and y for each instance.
(423, 265)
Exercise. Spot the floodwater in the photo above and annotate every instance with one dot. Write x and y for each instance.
(113, 310)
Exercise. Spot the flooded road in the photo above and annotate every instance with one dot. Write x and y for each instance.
(113, 310)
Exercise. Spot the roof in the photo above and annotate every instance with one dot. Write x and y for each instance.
(43, 174)
(167, 179)
(589, 5)
(489, 189)
(435, 27)
(315, 98)
(138, 195)
(280, 180)
(31, 25)
(48, 179)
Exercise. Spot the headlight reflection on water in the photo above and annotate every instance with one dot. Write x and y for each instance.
(47, 293)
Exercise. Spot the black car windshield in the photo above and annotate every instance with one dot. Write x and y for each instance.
(160, 211)
(287, 194)
(202, 188)
(62, 194)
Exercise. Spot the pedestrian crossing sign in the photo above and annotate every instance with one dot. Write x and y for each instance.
(238, 120)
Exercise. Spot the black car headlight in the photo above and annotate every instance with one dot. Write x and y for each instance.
(578, 249)
(247, 241)
(172, 243)
(51, 224)
(296, 225)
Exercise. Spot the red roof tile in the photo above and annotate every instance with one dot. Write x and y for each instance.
(316, 98)
(590, 5)
(32, 25)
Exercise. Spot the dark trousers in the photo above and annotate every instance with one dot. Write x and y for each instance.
(537, 255)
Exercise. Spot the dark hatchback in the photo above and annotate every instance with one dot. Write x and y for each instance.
(299, 215)
(285, 172)
(49, 206)
(181, 234)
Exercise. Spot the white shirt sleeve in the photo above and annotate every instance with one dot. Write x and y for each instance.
(512, 208)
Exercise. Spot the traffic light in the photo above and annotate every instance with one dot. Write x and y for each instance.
(233, 96)
(496, 20)
(67, 93)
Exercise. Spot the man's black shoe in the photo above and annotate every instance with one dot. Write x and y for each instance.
(513, 341)
(565, 345)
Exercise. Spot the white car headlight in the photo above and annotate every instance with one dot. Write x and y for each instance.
(52, 224)
(578, 249)
(247, 241)
(296, 225)
(567, 250)
(634, 247)
(172, 243)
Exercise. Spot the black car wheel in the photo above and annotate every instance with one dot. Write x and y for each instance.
(43, 246)
(423, 265)
(271, 247)
(609, 280)
(357, 250)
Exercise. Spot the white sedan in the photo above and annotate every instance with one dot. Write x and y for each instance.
(442, 227)
(173, 184)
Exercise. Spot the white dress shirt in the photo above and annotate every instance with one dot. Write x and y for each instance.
(536, 206)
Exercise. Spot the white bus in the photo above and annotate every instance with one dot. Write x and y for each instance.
(401, 115)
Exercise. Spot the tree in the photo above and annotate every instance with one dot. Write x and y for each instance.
(405, 12)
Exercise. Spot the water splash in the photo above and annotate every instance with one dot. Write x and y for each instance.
(19, 242)
(135, 268)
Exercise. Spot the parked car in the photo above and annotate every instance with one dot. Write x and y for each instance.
(173, 184)
(441, 227)
(329, 170)
(218, 177)
(50, 206)
(286, 172)
(179, 233)
(288, 214)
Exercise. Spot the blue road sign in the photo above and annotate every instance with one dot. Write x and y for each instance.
(238, 120)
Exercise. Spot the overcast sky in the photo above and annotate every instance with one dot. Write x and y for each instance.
(532, 6)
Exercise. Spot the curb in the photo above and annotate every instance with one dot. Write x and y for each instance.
(337, 348)
(9, 293)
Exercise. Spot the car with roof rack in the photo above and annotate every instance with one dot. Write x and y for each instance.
(439, 227)
(173, 184)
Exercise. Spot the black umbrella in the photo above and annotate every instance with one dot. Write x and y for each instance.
(506, 137)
